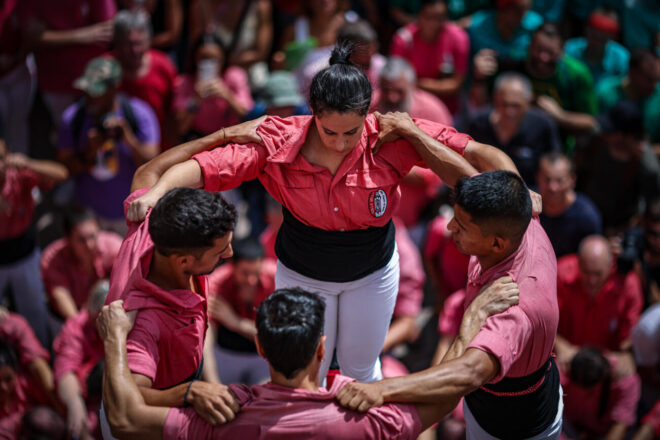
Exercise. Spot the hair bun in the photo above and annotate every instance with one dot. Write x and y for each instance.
(341, 54)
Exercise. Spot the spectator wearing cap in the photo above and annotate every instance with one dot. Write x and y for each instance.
(598, 404)
(398, 92)
(568, 216)
(235, 291)
(563, 86)
(620, 171)
(103, 138)
(598, 305)
(20, 176)
(67, 35)
(437, 49)
(280, 97)
(147, 74)
(210, 97)
(71, 265)
(598, 49)
(639, 86)
(505, 31)
(513, 126)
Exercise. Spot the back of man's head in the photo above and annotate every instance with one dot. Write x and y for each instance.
(188, 221)
(247, 249)
(589, 367)
(289, 328)
(498, 202)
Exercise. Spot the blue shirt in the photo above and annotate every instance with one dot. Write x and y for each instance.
(614, 63)
(484, 34)
(568, 229)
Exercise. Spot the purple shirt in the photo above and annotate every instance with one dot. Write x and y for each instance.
(276, 412)
(522, 337)
(104, 187)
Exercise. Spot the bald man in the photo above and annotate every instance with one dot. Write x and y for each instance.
(598, 305)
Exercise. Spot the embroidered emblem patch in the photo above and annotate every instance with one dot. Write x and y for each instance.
(377, 203)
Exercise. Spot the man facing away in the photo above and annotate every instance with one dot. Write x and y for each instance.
(506, 373)
(289, 336)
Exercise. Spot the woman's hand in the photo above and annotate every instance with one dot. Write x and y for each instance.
(138, 208)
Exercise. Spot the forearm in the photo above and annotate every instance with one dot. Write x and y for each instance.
(442, 87)
(449, 380)
(69, 391)
(187, 174)
(616, 432)
(487, 158)
(171, 397)
(63, 302)
(124, 406)
(210, 366)
(470, 326)
(49, 169)
(43, 374)
(236, 106)
(445, 162)
(400, 331)
(576, 122)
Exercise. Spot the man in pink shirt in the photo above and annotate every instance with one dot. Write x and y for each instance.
(438, 50)
(290, 336)
(78, 354)
(71, 265)
(506, 372)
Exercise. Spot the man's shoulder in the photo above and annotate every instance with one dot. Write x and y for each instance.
(54, 253)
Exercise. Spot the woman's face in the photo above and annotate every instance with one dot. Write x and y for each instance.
(339, 132)
(209, 52)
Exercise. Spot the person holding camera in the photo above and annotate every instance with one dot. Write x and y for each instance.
(103, 138)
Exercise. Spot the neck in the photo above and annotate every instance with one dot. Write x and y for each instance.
(163, 274)
(558, 207)
(308, 379)
(488, 261)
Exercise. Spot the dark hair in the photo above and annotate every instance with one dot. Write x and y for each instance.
(247, 249)
(75, 215)
(357, 32)
(289, 327)
(341, 87)
(40, 423)
(640, 56)
(187, 220)
(588, 368)
(550, 30)
(209, 38)
(496, 199)
(8, 356)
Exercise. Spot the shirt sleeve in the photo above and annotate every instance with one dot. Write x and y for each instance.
(632, 308)
(394, 421)
(625, 396)
(504, 336)
(68, 347)
(227, 167)
(142, 346)
(16, 331)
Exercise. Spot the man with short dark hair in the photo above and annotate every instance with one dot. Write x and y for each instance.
(568, 216)
(506, 373)
(290, 336)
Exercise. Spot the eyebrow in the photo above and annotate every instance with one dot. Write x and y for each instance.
(346, 132)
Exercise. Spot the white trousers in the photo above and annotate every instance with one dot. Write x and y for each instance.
(237, 367)
(476, 432)
(357, 316)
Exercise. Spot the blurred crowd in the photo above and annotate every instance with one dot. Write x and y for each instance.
(92, 89)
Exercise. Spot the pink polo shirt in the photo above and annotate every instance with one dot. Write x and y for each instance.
(522, 337)
(167, 338)
(16, 331)
(26, 395)
(604, 321)
(581, 405)
(16, 202)
(448, 54)
(276, 412)
(78, 348)
(61, 268)
(411, 281)
(344, 201)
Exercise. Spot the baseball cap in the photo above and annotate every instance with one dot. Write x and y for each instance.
(281, 90)
(624, 117)
(100, 74)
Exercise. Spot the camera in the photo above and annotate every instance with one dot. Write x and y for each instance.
(108, 132)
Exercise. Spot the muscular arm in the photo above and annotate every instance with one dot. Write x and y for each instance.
(485, 157)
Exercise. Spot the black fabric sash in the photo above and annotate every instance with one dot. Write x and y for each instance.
(333, 256)
(17, 248)
(518, 407)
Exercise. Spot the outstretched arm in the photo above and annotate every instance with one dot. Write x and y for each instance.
(461, 372)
